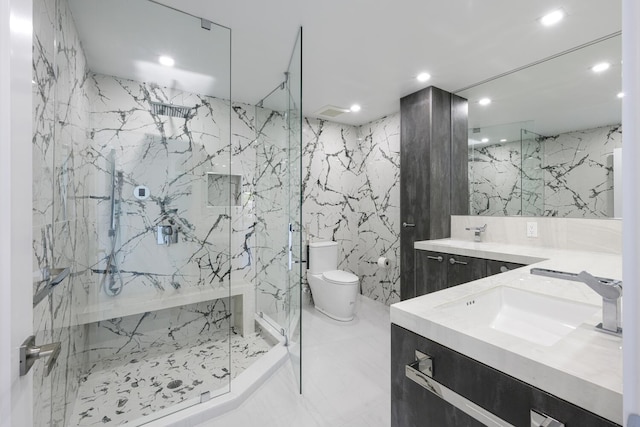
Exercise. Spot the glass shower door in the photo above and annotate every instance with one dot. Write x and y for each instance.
(297, 266)
(132, 193)
(278, 206)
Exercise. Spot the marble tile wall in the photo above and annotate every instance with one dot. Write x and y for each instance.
(506, 179)
(351, 195)
(578, 172)
(60, 208)
(331, 177)
(172, 157)
(494, 178)
(566, 175)
(379, 208)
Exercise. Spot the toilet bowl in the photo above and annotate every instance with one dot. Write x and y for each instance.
(334, 291)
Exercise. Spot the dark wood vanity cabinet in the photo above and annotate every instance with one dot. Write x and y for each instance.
(463, 269)
(436, 271)
(431, 272)
(496, 392)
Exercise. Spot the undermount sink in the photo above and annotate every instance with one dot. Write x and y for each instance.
(538, 318)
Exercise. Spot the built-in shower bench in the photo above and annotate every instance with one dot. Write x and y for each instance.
(241, 293)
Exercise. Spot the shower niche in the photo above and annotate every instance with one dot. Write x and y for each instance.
(223, 189)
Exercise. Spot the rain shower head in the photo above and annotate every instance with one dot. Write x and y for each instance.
(171, 110)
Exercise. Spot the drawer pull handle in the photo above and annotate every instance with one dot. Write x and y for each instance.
(453, 261)
(406, 224)
(436, 258)
(421, 372)
(538, 419)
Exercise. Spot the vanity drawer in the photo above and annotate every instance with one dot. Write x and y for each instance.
(500, 394)
(497, 267)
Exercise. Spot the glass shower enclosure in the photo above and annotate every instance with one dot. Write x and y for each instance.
(133, 195)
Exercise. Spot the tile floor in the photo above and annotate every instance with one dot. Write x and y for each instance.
(125, 389)
(346, 371)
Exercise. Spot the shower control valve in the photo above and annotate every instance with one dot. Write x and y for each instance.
(167, 234)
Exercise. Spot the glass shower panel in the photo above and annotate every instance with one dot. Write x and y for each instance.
(532, 173)
(297, 267)
(278, 206)
(271, 196)
(496, 160)
(134, 195)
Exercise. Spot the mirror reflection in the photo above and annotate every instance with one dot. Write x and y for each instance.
(544, 144)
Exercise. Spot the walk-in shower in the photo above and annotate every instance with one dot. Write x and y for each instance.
(185, 261)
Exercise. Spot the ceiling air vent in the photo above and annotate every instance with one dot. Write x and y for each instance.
(476, 130)
(331, 111)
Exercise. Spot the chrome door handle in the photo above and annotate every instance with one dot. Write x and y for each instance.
(453, 261)
(436, 258)
(290, 248)
(406, 224)
(30, 352)
(59, 274)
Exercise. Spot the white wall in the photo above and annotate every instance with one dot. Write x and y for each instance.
(15, 217)
(631, 208)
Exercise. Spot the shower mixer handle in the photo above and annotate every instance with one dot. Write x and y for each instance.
(167, 234)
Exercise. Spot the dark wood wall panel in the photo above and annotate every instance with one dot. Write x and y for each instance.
(440, 166)
(433, 171)
(459, 155)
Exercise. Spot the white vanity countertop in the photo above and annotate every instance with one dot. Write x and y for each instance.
(584, 368)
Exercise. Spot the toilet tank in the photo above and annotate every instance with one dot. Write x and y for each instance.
(323, 256)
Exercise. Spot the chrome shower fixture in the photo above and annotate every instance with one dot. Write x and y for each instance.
(162, 109)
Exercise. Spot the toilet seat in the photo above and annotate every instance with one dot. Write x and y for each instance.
(340, 277)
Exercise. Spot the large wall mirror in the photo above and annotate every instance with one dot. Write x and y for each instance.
(547, 142)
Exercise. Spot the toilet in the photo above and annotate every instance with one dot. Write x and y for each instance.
(334, 291)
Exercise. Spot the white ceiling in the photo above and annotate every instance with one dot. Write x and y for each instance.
(364, 51)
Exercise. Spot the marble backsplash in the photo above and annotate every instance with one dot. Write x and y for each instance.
(578, 234)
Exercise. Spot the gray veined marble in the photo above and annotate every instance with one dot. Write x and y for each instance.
(126, 387)
(351, 195)
(379, 221)
(578, 172)
(566, 175)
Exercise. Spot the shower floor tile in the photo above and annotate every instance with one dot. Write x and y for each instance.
(124, 389)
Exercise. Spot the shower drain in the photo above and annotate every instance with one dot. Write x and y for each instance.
(174, 384)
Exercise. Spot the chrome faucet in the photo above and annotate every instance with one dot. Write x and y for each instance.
(477, 237)
(609, 289)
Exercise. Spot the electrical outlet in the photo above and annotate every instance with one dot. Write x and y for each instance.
(532, 229)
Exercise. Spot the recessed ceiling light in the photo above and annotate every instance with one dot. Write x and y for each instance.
(503, 140)
(423, 77)
(355, 108)
(621, 95)
(484, 101)
(552, 18)
(598, 68)
(167, 61)
(484, 140)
